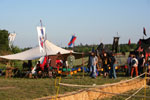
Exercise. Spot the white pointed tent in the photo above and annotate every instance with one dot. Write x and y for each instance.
(34, 53)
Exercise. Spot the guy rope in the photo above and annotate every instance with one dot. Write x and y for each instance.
(104, 89)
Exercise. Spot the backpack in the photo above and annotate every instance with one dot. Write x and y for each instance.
(148, 58)
(133, 62)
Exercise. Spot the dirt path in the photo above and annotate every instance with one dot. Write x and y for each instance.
(98, 92)
(5, 88)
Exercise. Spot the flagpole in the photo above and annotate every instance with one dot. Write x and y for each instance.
(41, 23)
(73, 46)
(129, 43)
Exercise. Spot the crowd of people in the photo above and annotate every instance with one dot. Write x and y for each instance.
(47, 70)
(98, 64)
(137, 64)
(105, 62)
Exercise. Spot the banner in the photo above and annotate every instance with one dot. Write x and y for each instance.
(41, 37)
(11, 38)
(115, 44)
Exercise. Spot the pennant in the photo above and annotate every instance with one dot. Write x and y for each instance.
(139, 42)
(129, 42)
(72, 40)
(144, 31)
(41, 37)
(11, 39)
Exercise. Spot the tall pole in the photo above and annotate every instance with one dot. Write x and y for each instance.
(83, 63)
(41, 23)
(73, 46)
(73, 43)
(145, 83)
(118, 41)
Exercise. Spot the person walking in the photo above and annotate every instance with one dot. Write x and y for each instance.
(113, 65)
(134, 63)
(92, 63)
(141, 63)
(71, 60)
(106, 62)
(129, 64)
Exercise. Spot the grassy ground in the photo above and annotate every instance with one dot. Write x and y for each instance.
(28, 89)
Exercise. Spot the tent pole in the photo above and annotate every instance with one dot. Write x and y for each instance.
(83, 63)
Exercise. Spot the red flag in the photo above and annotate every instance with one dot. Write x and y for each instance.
(140, 42)
(129, 42)
(144, 31)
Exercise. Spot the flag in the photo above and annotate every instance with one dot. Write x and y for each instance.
(41, 37)
(11, 38)
(139, 43)
(129, 42)
(72, 40)
(144, 31)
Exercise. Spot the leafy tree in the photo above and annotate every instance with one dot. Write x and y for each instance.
(16, 49)
(4, 44)
(86, 48)
(4, 40)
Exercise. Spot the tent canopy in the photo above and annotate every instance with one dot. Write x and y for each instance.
(34, 53)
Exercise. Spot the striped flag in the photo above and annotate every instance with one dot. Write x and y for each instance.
(41, 37)
(72, 40)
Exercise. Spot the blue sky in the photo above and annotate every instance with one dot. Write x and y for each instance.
(92, 21)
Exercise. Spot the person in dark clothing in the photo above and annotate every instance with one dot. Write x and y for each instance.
(105, 61)
(129, 65)
(141, 63)
(29, 65)
(38, 69)
(113, 65)
(25, 65)
(46, 68)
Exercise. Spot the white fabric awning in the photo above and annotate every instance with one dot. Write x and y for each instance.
(34, 53)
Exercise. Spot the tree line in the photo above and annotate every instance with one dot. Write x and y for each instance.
(121, 48)
(4, 46)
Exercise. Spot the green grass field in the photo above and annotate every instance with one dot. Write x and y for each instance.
(28, 89)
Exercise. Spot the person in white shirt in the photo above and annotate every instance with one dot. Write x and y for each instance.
(134, 63)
